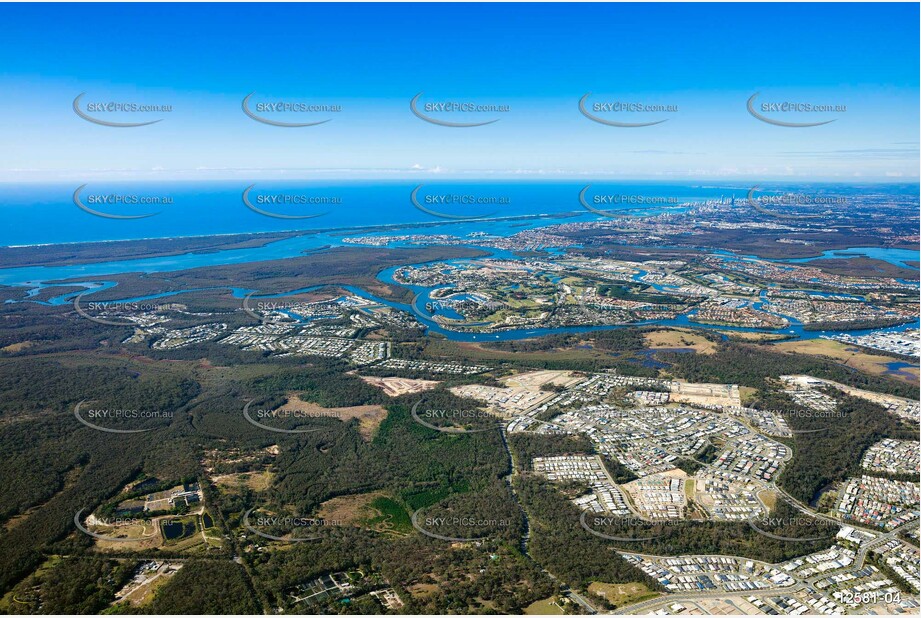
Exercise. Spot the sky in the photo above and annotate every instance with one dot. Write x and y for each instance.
(699, 62)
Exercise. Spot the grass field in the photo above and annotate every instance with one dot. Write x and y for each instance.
(769, 498)
(752, 337)
(681, 339)
(849, 355)
(747, 393)
(622, 594)
(544, 608)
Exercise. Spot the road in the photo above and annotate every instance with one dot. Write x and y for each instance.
(566, 590)
(859, 560)
(688, 597)
(526, 523)
(578, 598)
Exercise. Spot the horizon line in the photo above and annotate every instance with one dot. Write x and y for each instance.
(511, 178)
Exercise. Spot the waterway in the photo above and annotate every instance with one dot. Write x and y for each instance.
(92, 277)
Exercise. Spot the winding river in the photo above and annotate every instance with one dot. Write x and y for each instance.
(91, 278)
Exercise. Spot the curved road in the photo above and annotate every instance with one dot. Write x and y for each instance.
(859, 560)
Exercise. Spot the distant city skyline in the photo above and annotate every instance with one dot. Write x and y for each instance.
(699, 65)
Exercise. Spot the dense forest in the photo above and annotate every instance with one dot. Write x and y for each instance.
(831, 449)
(755, 366)
(206, 587)
(52, 460)
(563, 547)
(83, 585)
(616, 340)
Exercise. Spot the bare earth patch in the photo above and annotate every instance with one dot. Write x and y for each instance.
(705, 394)
(145, 535)
(17, 347)
(394, 387)
(257, 481)
(350, 510)
(536, 379)
(522, 391)
(369, 417)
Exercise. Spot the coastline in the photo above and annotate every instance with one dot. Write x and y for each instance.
(295, 232)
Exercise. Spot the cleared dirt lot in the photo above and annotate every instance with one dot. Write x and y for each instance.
(350, 510)
(535, 379)
(369, 417)
(521, 392)
(394, 387)
(257, 481)
(705, 394)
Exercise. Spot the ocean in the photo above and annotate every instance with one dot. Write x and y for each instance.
(47, 214)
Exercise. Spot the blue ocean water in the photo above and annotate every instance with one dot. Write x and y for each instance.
(46, 214)
(897, 257)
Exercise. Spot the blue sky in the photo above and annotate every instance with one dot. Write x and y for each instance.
(539, 60)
